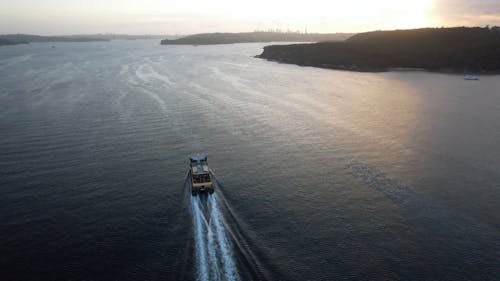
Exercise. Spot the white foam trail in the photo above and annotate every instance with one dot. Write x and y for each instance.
(212, 253)
(228, 266)
(213, 249)
(199, 238)
(161, 103)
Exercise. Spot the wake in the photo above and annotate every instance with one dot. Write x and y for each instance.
(213, 250)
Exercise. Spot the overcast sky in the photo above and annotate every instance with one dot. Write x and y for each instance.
(194, 16)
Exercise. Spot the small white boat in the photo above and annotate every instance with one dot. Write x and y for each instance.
(470, 77)
(199, 174)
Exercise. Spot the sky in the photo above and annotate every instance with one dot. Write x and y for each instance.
(59, 17)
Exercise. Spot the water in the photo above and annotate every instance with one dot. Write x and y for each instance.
(323, 174)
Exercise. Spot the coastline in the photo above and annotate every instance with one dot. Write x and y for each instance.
(356, 68)
(443, 50)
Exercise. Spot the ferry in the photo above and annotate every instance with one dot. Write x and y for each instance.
(201, 180)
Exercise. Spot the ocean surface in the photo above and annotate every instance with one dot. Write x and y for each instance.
(320, 174)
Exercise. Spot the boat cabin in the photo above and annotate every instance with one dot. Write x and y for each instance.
(200, 174)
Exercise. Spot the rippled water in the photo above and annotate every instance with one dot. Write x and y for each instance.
(323, 175)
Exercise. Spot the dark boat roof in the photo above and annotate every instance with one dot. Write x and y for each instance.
(198, 157)
(199, 164)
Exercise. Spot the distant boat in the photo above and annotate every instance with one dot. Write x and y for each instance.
(470, 77)
(200, 175)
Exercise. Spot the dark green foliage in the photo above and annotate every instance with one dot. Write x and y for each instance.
(249, 37)
(436, 49)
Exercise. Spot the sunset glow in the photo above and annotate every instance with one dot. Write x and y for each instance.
(194, 16)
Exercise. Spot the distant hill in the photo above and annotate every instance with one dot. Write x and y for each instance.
(13, 39)
(111, 36)
(4, 42)
(249, 37)
(436, 49)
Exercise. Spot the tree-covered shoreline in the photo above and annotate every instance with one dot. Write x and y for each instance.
(457, 50)
(15, 39)
(252, 37)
